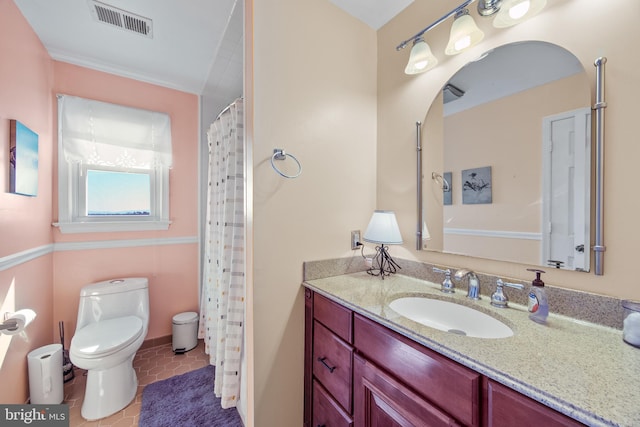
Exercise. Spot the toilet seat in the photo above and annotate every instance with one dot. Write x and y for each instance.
(106, 337)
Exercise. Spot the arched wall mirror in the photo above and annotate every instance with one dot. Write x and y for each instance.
(510, 133)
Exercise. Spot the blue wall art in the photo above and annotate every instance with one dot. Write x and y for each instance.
(23, 159)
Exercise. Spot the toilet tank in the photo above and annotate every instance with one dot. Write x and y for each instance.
(114, 298)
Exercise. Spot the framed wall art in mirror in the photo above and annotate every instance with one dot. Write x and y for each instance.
(476, 186)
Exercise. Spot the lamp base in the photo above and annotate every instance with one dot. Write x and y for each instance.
(382, 264)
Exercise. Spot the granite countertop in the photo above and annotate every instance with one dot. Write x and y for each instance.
(580, 369)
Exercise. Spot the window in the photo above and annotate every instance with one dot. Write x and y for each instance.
(113, 167)
(117, 193)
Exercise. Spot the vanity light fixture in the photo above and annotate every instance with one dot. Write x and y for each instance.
(464, 31)
(513, 12)
(488, 7)
(420, 59)
(383, 229)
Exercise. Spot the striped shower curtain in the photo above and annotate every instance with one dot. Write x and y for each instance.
(223, 288)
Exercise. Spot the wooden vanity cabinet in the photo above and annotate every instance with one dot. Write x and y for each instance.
(449, 393)
(361, 373)
(505, 407)
(328, 363)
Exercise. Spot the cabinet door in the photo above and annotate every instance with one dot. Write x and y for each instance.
(381, 401)
(326, 412)
(507, 408)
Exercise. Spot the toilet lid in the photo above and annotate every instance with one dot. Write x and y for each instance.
(106, 336)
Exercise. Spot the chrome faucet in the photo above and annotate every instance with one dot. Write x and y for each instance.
(447, 285)
(499, 298)
(473, 291)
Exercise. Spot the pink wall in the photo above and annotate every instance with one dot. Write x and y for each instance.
(172, 269)
(50, 282)
(25, 222)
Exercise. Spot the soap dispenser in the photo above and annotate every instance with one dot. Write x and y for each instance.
(538, 304)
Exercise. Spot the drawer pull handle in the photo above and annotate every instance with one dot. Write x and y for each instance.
(322, 360)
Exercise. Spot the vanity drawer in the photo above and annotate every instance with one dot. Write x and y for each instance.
(506, 407)
(333, 316)
(326, 412)
(332, 364)
(450, 386)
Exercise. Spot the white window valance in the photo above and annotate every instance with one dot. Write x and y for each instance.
(100, 133)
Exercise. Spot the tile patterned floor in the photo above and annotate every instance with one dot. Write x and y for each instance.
(151, 365)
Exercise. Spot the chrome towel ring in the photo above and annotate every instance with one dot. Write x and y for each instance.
(280, 154)
(441, 180)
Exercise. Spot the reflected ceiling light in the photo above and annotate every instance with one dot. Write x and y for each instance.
(513, 12)
(464, 33)
(420, 59)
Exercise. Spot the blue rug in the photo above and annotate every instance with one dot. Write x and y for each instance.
(185, 400)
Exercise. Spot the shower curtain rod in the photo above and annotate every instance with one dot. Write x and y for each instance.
(225, 109)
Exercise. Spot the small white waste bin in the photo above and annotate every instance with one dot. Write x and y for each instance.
(185, 331)
(45, 375)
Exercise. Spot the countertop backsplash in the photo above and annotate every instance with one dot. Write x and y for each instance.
(578, 305)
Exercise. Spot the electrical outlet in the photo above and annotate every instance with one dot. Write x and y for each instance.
(355, 239)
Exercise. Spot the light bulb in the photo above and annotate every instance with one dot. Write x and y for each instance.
(519, 10)
(463, 43)
(420, 65)
(513, 12)
(464, 33)
(420, 59)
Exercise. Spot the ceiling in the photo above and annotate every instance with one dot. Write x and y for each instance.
(510, 69)
(374, 13)
(195, 46)
(189, 39)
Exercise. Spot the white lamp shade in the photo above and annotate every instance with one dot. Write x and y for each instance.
(513, 12)
(464, 34)
(425, 231)
(421, 59)
(383, 228)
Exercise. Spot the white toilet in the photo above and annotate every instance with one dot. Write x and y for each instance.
(113, 319)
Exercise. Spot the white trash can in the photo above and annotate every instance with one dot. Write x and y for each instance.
(45, 375)
(185, 332)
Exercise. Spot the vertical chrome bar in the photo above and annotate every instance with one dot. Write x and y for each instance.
(599, 106)
(419, 186)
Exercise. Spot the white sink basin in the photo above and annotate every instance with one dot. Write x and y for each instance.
(450, 317)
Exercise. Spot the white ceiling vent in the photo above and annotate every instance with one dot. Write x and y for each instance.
(107, 14)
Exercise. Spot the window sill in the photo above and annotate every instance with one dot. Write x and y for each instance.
(114, 226)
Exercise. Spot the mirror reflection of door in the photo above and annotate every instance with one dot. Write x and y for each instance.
(566, 151)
